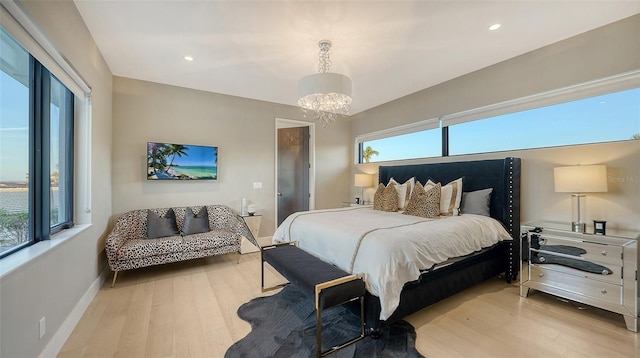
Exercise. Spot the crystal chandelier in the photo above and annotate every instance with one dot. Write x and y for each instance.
(324, 94)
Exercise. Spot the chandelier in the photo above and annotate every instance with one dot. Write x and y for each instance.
(324, 94)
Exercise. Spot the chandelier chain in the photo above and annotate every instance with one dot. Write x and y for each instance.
(324, 63)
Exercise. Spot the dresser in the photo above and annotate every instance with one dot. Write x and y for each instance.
(598, 270)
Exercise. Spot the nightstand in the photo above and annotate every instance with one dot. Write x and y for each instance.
(253, 223)
(598, 270)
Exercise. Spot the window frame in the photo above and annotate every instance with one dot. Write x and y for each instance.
(39, 196)
(612, 84)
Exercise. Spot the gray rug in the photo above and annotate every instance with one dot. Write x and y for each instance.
(283, 325)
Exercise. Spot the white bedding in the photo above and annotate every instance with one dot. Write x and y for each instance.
(389, 248)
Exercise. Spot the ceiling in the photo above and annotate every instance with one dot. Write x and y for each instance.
(259, 49)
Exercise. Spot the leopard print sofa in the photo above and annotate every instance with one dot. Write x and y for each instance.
(128, 247)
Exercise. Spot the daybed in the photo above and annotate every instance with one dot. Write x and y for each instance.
(342, 237)
(175, 234)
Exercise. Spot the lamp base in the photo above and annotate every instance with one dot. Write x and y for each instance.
(578, 227)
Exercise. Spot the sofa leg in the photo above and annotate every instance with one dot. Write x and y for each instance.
(115, 276)
(238, 255)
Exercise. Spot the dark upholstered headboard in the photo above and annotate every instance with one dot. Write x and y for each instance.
(503, 175)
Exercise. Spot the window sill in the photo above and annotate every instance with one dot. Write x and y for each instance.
(19, 259)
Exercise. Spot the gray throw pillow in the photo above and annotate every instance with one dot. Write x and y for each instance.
(476, 202)
(161, 226)
(194, 224)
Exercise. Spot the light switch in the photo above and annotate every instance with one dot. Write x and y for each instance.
(257, 185)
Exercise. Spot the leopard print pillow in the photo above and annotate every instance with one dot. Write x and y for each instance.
(423, 203)
(386, 198)
(377, 197)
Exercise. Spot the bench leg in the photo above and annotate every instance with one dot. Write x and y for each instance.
(319, 352)
(318, 291)
(262, 288)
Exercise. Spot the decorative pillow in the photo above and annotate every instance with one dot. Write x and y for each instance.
(386, 199)
(404, 192)
(424, 203)
(476, 202)
(161, 226)
(450, 197)
(377, 197)
(194, 224)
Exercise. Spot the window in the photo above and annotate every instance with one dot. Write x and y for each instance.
(423, 144)
(604, 110)
(605, 118)
(36, 149)
(417, 140)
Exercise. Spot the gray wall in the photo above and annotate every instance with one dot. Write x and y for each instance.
(599, 53)
(51, 285)
(242, 129)
(606, 51)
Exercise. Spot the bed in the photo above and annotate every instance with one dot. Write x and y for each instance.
(416, 282)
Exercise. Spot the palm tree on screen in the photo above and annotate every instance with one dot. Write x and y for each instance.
(174, 150)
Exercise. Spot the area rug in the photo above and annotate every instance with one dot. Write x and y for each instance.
(284, 325)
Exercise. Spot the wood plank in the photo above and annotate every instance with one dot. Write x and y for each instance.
(189, 309)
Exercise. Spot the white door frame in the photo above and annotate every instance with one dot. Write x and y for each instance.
(290, 123)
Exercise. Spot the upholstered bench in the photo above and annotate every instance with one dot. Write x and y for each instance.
(330, 285)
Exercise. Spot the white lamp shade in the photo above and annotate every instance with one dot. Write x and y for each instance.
(324, 83)
(363, 180)
(580, 179)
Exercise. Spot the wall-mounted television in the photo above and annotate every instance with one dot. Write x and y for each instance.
(169, 161)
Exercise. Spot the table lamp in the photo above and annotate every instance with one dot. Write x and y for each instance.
(577, 180)
(362, 181)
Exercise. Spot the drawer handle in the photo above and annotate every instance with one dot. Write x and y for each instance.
(542, 241)
(541, 259)
(604, 253)
(604, 291)
(605, 272)
(540, 275)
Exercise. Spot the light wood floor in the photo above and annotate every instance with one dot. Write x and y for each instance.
(189, 310)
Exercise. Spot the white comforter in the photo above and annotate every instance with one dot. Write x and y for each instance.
(389, 248)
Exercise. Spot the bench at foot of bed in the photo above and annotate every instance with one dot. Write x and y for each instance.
(328, 284)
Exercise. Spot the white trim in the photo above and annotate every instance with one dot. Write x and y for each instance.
(424, 125)
(64, 332)
(18, 259)
(18, 23)
(611, 84)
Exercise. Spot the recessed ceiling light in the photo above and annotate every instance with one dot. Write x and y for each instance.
(188, 58)
(494, 27)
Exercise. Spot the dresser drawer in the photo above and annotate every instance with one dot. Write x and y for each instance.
(613, 273)
(594, 251)
(598, 290)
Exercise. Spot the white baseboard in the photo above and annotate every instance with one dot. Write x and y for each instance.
(62, 334)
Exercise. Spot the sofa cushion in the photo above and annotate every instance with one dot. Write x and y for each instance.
(164, 226)
(195, 223)
(141, 248)
(209, 240)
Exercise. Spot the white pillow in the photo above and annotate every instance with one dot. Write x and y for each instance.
(450, 197)
(404, 192)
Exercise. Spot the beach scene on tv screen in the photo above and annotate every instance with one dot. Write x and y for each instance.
(181, 162)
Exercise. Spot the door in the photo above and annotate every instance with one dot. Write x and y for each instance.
(293, 171)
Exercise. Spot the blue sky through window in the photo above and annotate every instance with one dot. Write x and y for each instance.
(610, 117)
